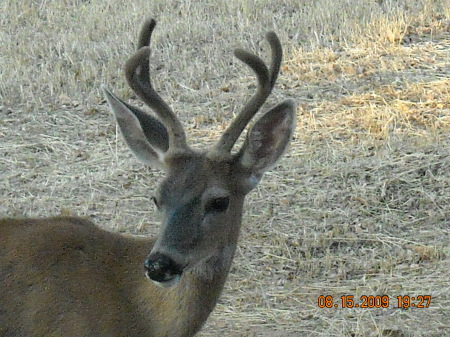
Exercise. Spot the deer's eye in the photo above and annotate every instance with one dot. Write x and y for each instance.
(217, 205)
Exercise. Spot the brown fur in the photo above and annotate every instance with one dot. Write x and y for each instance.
(67, 277)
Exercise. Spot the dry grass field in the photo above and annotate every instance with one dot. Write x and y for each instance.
(360, 205)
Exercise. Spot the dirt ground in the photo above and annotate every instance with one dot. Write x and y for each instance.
(360, 204)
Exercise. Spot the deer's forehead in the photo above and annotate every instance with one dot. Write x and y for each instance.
(193, 176)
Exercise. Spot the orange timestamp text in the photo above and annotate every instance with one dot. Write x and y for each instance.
(373, 301)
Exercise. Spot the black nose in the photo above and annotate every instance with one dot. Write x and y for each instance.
(161, 268)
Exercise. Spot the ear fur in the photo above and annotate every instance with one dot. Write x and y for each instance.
(268, 139)
(146, 137)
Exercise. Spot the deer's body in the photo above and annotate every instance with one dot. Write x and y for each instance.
(67, 277)
(67, 287)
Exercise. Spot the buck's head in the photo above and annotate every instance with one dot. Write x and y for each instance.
(202, 196)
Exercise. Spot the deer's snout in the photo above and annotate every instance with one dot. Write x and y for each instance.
(162, 269)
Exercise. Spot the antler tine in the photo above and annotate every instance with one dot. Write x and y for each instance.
(277, 56)
(137, 73)
(266, 81)
(146, 32)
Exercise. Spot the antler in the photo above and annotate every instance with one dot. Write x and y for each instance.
(137, 73)
(266, 82)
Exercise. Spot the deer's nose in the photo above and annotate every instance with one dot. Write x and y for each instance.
(162, 269)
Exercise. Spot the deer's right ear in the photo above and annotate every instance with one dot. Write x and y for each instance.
(146, 136)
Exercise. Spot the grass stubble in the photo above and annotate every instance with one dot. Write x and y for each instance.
(360, 205)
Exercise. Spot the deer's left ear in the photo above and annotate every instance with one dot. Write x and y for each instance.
(267, 139)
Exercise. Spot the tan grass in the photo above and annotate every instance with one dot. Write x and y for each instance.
(359, 206)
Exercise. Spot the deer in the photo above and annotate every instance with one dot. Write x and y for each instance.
(64, 276)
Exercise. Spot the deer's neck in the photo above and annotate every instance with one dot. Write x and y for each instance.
(183, 309)
(199, 290)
